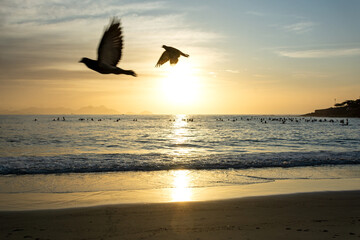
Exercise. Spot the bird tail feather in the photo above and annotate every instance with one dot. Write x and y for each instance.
(184, 54)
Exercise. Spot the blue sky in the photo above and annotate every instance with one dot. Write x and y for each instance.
(271, 57)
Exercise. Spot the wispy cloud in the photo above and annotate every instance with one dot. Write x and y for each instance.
(320, 53)
(260, 75)
(255, 13)
(310, 75)
(232, 71)
(43, 12)
(300, 27)
(40, 35)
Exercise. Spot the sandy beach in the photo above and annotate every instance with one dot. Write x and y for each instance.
(324, 215)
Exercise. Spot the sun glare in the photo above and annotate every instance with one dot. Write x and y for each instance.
(181, 191)
(180, 134)
(180, 84)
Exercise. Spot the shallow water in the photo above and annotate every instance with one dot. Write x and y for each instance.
(68, 190)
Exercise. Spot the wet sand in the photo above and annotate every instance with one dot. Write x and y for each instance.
(325, 215)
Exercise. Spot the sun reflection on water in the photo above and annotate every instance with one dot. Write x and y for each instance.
(181, 190)
(180, 134)
(181, 182)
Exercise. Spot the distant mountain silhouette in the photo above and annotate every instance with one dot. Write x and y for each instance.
(349, 108)
(96, 110)
(60, 110)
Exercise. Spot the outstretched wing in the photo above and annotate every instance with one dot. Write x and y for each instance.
(110, 47)
(174, 60)
(163, 59)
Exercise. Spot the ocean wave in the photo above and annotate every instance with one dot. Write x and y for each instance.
(185, 145)
(87, 163)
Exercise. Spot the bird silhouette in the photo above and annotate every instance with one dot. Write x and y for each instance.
(171, 54)
(109, 52)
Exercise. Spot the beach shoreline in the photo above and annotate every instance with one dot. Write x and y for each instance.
(177, 191)
(316, 215)
(302, 203)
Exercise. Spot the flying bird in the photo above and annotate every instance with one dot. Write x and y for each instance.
(171, 54)
(109, 52)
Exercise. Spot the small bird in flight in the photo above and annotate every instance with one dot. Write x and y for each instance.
(109, 52)
(171, 54)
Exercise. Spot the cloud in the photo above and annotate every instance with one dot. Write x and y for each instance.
(300, 27)
(45, 39)
(260, 76)
(321, 53)
(255, 13)
(45, 12)
(232, 71)
(309, 75)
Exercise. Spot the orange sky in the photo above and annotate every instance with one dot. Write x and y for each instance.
(245, 57)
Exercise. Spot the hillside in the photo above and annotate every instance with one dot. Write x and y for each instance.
(349, 108)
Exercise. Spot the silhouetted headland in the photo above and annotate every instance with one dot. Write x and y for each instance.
(348, 108)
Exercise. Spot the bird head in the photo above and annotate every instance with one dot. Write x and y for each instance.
(82, 60)
(164, 46)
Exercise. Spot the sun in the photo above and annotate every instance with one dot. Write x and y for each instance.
(180, 84)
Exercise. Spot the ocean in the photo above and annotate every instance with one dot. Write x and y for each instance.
(79, 153)
(165, 142)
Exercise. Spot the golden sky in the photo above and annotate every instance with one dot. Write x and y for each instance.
(246, 57)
